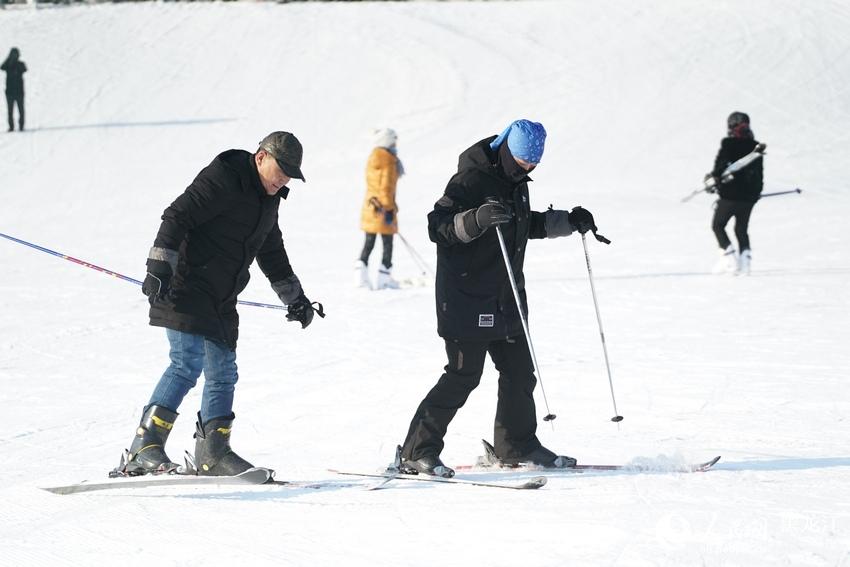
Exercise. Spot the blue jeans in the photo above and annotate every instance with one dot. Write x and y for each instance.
(191, 354)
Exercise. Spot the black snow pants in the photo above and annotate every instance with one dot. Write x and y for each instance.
(726, 209)
(369, 244)
(11, 100)
(516, 421)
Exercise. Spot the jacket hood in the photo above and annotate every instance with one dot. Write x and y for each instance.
(477, 156)
(496, 163)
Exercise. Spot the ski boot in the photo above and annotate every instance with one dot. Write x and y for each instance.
(543, 457)
(147, 452)
(213, 455)
(540, 457)
(385, 279)
(361, 275)
(744, 263)
(429, 464)
(727, 261)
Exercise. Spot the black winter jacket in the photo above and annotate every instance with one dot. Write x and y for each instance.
(219, 225)
(473, 292)
(747, 183)
(15, 70)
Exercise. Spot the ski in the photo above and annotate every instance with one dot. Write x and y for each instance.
(687, 468)
(253, 476)
(729, 173)
(530, 484)
(490, 462)
(580, 468)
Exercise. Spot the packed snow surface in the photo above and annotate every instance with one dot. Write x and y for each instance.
(126, 103)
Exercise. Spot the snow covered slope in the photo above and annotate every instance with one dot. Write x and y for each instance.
(126, 103)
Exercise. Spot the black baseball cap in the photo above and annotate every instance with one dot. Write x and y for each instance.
(285, 148)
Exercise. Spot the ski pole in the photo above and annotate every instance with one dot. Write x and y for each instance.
(549, 415)
(692, 195)
(617, 417)
(110, 272)
(420, 262)
(711, 188)
(774, 194)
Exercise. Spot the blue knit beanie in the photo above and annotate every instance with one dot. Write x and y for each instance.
(525, 140)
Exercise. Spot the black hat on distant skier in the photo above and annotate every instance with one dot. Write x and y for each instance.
(287, 152)
(738, 124)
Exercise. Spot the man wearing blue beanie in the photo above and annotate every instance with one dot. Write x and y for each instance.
(476, 311)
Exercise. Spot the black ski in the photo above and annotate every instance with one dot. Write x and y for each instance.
(530, 484)
(253, 476)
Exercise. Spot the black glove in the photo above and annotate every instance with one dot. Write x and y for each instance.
(491, 213)
(581, 219)
(388, 217)
(300, 310)
(161, 266)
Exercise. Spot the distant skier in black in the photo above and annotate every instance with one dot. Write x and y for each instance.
(738, 196)
(476, 311)
(15, 69)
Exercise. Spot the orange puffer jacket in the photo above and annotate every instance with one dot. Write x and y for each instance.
(381, 179)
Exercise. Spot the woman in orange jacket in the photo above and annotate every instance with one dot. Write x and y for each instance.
(378, 215)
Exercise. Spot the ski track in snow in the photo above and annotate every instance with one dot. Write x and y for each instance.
(126, 103)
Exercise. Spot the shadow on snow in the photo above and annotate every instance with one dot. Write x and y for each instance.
(154, 124)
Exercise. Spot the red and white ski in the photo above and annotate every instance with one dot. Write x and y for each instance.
(489, 461)
(580, 468)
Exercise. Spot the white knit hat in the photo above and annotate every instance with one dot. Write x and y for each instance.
(384, 137)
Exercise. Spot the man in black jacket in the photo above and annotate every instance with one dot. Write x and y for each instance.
(738, 196)
(197, 267)
(15, 69)
(476, 310)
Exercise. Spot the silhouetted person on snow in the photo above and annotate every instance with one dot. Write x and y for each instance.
(738, 196)
(15, 69)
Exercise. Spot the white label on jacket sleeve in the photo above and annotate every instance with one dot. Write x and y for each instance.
(485, 320)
